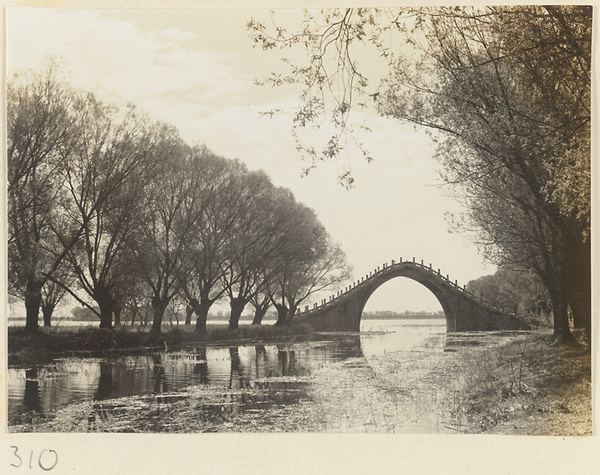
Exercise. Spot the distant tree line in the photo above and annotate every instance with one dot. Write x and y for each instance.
(115, 209)
(392, 315)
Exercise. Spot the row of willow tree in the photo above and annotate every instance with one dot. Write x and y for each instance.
(505, 92)
(113, 208)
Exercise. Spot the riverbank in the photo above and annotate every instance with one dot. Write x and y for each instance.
(78, 341)
(532, 386)
(480, 382)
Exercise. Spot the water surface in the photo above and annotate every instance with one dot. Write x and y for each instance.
(265, 374)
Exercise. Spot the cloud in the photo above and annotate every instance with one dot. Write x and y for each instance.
(122, 63)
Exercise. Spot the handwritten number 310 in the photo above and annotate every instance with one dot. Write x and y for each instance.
(44, 462)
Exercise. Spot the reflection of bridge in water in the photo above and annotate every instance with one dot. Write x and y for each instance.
(464, 310)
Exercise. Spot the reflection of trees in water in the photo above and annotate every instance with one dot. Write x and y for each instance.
(260, 359)
(233, 367)
(200, 368)
(234, 356)
(158, 375)
(31, 399)
(287, 361)
(105, 382)
(238, 377)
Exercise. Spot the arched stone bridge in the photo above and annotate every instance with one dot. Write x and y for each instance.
(464, 311)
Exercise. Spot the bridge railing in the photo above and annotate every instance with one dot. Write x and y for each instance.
(333, 299)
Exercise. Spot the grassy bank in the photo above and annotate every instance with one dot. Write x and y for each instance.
(75, 340)
(529, 386)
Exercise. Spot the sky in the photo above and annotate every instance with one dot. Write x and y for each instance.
(197, 69)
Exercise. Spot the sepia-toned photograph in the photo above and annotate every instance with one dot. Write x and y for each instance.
(323, 220)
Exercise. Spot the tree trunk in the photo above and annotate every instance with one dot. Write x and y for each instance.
(201, 311)
(237, 307)
(291, 314)
(579, 286)
(562, 332)
(106, 305)
(158, 311)
(189, 311)
(259, 314)
(33, 300)
(282, 314)
(117, 313)
(47, 311)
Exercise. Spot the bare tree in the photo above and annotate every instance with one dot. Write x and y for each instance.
(206, 250)
(42, 128)
(254, 243)
(170, 213)
(120, 153)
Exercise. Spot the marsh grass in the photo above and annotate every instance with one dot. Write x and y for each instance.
(527, 386)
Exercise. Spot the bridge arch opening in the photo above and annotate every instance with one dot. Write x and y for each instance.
(399, 315)
(423, 285)
(400, 295)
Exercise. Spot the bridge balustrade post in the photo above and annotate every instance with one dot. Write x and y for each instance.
(421, 262)
(413, 259)
(430, 266)
(393, 261)
(400, 260)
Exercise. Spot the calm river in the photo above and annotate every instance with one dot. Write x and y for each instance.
(323, 375)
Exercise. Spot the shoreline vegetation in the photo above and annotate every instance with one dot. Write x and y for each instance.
(60, 340)
(269, 318)
(52, 342)
(524, 383)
